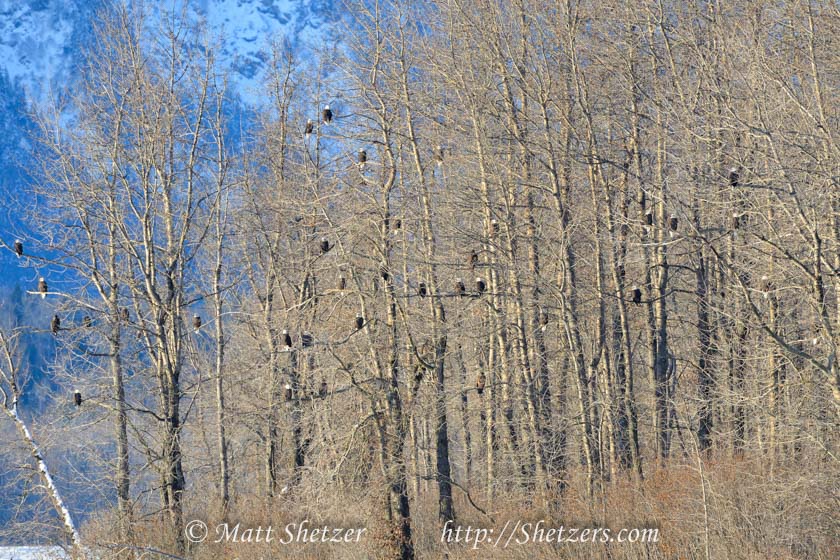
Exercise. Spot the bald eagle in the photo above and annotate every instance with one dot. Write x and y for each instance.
(636, 295)
(494, 228)
(421, 289)
(18, 248)
(362, 157)
(736, 220)
(309, 126)
(325, 245)
(766, 287)
(55, 325)
(196, 322)
(77, 398)
(42, 287)
(439, 154)
(480, 286)
(673, 223)
(480, 383)
(733, 177)
(327, 114)
(360, 321)
(287, 339)
(473, 259)
(649, 218)
(288, 392)
(460, 289)
(342, 282)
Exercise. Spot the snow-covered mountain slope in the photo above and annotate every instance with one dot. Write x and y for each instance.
(40, 40)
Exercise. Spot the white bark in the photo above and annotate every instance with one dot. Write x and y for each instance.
(44, 473)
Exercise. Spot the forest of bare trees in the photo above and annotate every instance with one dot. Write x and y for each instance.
(478, 261)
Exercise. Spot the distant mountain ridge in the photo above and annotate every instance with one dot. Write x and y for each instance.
(40, 40)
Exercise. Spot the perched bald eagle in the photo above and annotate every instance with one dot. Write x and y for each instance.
(327, 114)
(196, 322)
(480, 383)
(55, 325)
(673, 223)
(77, 398)
(325, 245)
(766, 287)
(733, 177)
(649, 218)
(360, 321)
(18, 248)
(42, 287)
(439, 155)
(362, 157)
(309, 126)
(342, 282)
(287, 339)
(636, 295)
(736, 220)
(288, 392)
(421, 289)
(480, 286)
(494, 228)
(460, 289)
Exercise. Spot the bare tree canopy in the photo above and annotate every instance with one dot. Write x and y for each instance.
(477, 263)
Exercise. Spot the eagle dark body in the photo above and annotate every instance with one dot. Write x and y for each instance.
(480, 286)
(734, 177)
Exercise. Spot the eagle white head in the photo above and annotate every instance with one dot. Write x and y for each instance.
(326, 107)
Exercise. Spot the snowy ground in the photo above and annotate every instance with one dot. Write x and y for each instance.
(32, 553)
